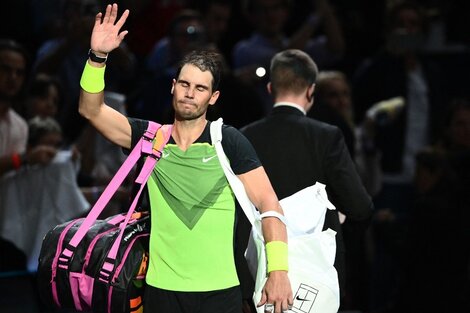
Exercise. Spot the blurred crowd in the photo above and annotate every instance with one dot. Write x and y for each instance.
(393, 77)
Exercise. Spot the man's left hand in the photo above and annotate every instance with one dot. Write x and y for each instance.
(277, 291)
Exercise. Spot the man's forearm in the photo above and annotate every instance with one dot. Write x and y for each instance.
(92, 89)
(273, 228)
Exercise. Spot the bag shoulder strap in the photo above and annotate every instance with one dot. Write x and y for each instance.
(237, 186)
(248, 207)
(161, 138)
(142, 148)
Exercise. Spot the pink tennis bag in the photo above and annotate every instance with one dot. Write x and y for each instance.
(100, 265)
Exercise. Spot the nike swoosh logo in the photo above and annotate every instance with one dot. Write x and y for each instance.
(300, 299)
(165, 154)
(205, 160)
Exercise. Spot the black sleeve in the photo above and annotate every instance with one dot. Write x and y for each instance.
(138, 128)
(240, 152)
(345, 185)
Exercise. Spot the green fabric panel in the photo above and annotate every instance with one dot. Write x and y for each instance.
(193, 215)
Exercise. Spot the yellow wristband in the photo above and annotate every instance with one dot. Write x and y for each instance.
(276, 255)
(92, 80)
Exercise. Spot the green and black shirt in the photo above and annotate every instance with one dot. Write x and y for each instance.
(193, 212)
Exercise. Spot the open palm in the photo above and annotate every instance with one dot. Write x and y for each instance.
(106, 35)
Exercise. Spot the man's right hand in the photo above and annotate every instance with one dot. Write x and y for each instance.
(106, 35)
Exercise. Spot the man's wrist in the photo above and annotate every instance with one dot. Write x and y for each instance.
(92, 80)
(97, 57)
(276, 256)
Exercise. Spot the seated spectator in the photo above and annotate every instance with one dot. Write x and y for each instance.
(44, 131)
(13, 128)
(53, 196)
(44, 97)
(333, 104)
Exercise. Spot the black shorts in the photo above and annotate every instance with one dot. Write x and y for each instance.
(158, 300)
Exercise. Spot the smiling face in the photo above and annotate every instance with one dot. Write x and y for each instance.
(192, 93)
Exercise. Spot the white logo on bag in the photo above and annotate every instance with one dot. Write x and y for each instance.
(304, 299)
(205, 160)
(138, 228)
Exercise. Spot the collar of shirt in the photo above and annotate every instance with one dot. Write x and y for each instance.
(291, 104)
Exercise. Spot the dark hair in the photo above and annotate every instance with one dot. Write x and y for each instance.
(11, 45)
(39, 127)
(39, 86)
(205, 61)
(292, 70)
(324, 79)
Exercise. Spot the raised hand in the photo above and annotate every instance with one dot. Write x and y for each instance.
(107, 35)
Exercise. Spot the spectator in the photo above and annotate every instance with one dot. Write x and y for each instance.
(269, 18)
(44, 97)
(14, 129)
(333, 105)
(397, 71)
(53, 196)
(150, 98)
(399, 94)
(216, 15)
(44, 131)
(186, 33)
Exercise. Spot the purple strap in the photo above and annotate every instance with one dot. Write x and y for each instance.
(143, 147)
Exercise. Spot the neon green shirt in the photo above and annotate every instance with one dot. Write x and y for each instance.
(193, 216)
(193, 212)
